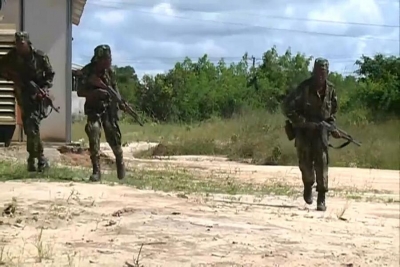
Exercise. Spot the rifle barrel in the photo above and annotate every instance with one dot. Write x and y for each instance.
(128, 109)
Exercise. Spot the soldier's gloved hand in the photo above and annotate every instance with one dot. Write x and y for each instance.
(336, 134)
(122, 107)
(43, 94)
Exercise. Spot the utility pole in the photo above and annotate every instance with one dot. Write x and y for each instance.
(253, 81)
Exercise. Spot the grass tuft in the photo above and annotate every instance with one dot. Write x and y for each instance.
(259, 138)
(169, 180)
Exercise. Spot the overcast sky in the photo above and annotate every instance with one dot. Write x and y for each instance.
(151, 35)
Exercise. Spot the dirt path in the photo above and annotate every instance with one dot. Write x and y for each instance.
(80, 229)
(362, 179)
(100, 225)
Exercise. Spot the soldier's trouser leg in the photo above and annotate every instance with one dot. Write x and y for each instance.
(321, 171)
(34, 145)
(306, 165)
(93, 131)
(113, 137)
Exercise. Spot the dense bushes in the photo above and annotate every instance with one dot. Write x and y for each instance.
(195, 91)
(220, 109)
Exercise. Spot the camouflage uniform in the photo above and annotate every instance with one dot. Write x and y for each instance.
(101, 113)
(36, 67)
(305, 107)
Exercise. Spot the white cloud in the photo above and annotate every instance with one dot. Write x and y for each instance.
(329, 14)
(210, 47)
(111, 18)
(361, 47)
(152, 36)
(91, 36)
(211, 16)
(365, 11)
(151, 72)
(179, 50)
(289, 11)
(163, 12)
(164, 8)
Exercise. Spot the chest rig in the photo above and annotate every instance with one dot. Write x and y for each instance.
(316, 108)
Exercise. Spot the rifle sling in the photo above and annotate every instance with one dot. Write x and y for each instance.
(341, 146)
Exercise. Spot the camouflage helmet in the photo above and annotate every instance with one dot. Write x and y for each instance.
(101, 51)
(321, 63)
(22, 36)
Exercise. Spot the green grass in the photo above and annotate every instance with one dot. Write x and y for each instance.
(160, 180)
(259, 138)
(180, 181)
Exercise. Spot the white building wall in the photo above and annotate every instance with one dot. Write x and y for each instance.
(10, 13)
(10, 18)
(49, 25)
(78, 104)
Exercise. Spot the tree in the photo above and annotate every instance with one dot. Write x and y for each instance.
(380, 83)
(196, 91)
(128, 82)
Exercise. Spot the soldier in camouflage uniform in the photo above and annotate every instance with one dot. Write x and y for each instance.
(313, 101)
(100, 110)
(27, 63)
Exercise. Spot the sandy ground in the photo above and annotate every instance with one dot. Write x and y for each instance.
(101, 225)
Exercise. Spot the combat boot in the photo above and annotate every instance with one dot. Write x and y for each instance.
(307, 194)
(96, 175)
(31, 164)
(321, 206)
(120, 167)
(43, 164)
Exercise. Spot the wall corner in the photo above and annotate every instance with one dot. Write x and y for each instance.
(68, 74)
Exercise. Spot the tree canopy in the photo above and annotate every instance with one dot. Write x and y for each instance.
(195, 91)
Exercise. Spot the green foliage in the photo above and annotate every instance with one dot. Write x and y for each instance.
(197, 91)
(379, 83)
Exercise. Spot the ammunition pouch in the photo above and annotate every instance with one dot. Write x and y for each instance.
(290, 130)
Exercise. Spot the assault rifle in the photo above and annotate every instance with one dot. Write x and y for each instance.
(127, 108)
(45, 96)
(332, 128)
(326, 129)
(16, 78)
